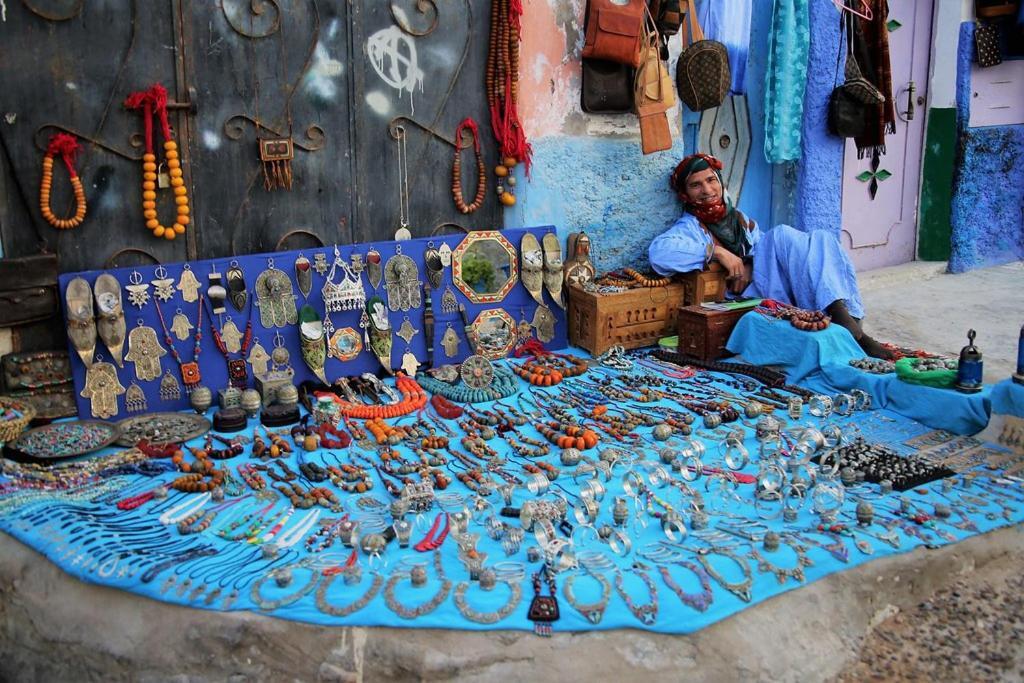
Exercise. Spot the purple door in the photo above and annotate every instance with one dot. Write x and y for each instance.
(880, 194)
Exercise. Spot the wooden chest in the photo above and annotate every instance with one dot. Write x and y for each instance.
(703, 285)
(634, 318)
(704, 333)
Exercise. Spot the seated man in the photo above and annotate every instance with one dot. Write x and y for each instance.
(805, 269)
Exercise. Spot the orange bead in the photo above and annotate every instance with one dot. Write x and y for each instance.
(153, 224)
(170, 234)
(508, 199)
(179, 229)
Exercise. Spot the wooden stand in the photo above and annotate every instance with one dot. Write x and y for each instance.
(703, 333)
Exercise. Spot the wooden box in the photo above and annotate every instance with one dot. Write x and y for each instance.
(634, 318)
(704, 333)
(703, 285)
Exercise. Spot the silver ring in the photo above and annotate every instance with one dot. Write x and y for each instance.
(620, 543)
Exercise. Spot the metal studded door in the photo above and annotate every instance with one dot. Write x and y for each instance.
(67, 67)
(289, 116)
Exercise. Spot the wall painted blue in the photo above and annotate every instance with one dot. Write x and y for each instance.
(987, 216)
(819, 174)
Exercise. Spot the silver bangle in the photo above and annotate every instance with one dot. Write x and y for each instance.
(620, 543)
(734, 453)
(819, 405)
(843, 404)
(632, 483)
(593, 489)
(585, 511)
(673, 527)
(537, 484)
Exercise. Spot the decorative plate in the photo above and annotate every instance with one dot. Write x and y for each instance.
(161, 428)
(65, 439)
(477, 372)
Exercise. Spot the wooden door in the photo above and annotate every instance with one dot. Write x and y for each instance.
(880, 193)
(337, 77)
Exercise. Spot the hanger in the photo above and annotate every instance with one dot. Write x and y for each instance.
(866, 12)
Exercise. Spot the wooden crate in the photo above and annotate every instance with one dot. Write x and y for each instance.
(704, 333)
(634, 318)
(703, 285)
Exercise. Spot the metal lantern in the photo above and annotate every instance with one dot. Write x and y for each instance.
(969, 370)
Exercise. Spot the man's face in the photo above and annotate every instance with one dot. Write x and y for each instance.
(703, 187)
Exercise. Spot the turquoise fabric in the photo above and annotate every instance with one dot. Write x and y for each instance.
(1008, 398)
(821, 362)
(788, 49)
(92, 540)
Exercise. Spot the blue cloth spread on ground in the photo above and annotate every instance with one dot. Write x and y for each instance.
(821, 362)
(92, 540)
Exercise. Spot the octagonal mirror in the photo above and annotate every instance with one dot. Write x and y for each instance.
(485, 266)
(495, 333)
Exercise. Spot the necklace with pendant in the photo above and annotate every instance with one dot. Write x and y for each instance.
(190, 375)
(236, 342)
(402, 283)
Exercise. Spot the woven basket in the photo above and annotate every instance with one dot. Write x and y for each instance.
(12, 429)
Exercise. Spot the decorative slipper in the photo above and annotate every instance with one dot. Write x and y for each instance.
(81, 321)
(553, 275)
(110, 316)
(313, 341)
(532, 271)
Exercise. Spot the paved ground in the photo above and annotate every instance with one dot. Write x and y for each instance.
(921, 305)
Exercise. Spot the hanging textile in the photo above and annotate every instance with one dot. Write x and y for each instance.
(871, 47)
(786, 79)
(728, 22)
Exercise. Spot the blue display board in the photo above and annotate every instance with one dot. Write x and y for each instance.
(213, 368)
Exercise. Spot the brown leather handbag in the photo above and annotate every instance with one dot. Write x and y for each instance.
(654, 95)
(702, 71)
(614, 32)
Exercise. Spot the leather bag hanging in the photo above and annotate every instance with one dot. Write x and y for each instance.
(846, 112)
(668, 16)
(702, 70)
(614, 32)
(654, 95)
(607, 87)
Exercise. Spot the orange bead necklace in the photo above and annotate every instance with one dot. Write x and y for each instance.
(154, 102)
(66, 146)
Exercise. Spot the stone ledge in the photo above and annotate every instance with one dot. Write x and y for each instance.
(55, 627)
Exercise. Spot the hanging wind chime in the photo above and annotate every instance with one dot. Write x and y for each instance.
(153, 102)
(502, 82)
(67, 147)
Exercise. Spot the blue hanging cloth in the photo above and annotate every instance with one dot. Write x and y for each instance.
(788, 48)
(728, 22)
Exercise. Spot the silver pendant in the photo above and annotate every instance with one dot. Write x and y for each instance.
(138, 291)
(434, 267)
(450, 341)
(409, 363)
(449, 304)
(163, 286)
(445, 252)
(231, 336)
(407, 331)
(320, 263)
(134, 398)
(236, 287)
(374, 269)
(181, 326)
(403, 234)
(216, 294)
(145, 351)
(275, 298)
(102, 389)
(188, 285)
(304, 275)
(402, 283)
(170, 390)
(346, 294)
(544, 322)
(259, 359)
(357, 263)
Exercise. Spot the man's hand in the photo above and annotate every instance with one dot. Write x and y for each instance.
(737, 273)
